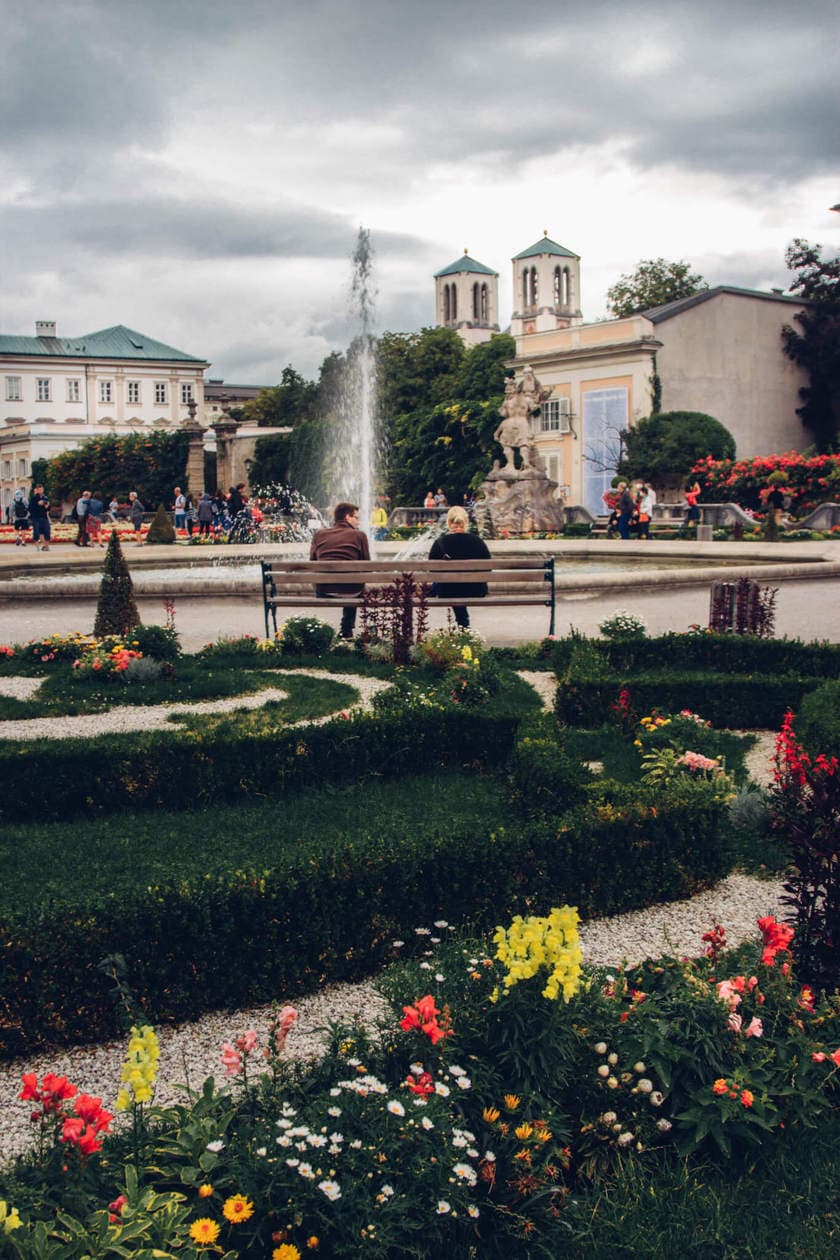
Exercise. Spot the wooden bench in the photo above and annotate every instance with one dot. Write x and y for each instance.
(512, 582)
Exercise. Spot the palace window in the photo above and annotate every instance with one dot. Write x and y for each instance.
(7, 468)
(555, 416)
(160, 393)
(43, 385)
(106, 391)
(134, 391)
(13, 389)
(23, 468)
(186, 393)
(74, 389)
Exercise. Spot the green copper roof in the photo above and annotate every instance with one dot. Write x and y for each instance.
(118, 342)
(545, 246)
(465, 263)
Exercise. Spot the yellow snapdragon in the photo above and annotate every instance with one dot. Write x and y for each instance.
(533, 944)
(140, 1069)
(9, 1218)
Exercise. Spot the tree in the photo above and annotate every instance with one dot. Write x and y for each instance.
(151, 463)
(116, 608)
(271, 460)
(654, 282)
(285, 404)
(817, 347)
(662, 448)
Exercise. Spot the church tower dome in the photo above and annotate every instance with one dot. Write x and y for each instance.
(546, 288)
(467, 299)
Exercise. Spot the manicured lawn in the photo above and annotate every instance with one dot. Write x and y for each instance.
(73, 863)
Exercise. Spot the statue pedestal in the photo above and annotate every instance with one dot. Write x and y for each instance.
(520, 501)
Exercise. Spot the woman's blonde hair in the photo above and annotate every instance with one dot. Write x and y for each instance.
(456, 516)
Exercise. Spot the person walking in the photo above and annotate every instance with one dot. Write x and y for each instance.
(81, 518)
(343, 540)
(136, 512)
(20, 518)
(644, 512)
(39, 514)
(94, 519)
(457, 544)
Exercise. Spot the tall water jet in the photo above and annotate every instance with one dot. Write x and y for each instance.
(352, 463)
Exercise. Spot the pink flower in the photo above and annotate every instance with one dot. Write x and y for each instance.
(734, 1021)
(246, 1041)
(231, 1059)
(728, 993)
(283, 1024)
(835, 1058)
(818, 1056)
(754, 1028)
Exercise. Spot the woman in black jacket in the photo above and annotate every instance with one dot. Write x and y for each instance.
(456, 545)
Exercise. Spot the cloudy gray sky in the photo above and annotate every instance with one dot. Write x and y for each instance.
(199, 169)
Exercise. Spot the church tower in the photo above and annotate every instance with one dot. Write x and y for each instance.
(546, 288)
(467, 299)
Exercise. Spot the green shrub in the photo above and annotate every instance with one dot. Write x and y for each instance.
(818, 720)
(544, 777)
(159, 642)
(116, 608)
(161, 529)
(307, 636)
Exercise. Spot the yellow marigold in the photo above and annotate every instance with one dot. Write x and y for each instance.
(491, 1114)
(287, 1251)
(204, 1231)
(237, 1208)
(205, 1190)
(523, 1131)
(313, 1242)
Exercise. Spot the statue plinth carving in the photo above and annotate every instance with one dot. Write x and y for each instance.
(520, 500)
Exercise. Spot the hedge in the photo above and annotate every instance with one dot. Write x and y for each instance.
(725, 653)
(59, 780)
(725, 700)
(818, 721)
(250, 936)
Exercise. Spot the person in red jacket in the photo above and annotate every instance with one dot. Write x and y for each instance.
(343, 540)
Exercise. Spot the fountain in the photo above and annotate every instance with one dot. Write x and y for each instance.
(355, 454)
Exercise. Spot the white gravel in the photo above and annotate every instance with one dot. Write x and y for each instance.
(158, 717)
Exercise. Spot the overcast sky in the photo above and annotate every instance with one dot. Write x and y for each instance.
(199, 169)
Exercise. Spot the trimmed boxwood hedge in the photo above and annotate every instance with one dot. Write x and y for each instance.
(818, 720)
(723, 699)
(320, 916)
(65, 779)
(724, 653)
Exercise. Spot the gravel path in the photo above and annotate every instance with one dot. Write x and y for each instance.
(157, 717)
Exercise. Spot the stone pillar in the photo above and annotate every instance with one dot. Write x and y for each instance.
(195, 453)
(225, 429)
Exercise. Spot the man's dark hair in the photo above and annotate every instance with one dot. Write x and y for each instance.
(342, 511)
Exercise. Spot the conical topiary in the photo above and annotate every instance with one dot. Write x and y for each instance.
(161, 529)
(116, 609)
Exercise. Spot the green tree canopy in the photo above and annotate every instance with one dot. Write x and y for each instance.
(285, 404)
(663, 448)
(150, 463)
(817, 347)
(654, 282)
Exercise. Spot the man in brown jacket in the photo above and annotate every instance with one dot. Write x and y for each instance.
(343, 540)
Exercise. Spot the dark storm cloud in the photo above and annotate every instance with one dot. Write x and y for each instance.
(161, 227)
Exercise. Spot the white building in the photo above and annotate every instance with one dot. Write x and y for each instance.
(58, 392)
(467, 299)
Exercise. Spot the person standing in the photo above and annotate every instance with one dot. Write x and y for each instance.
(626, 507)
(135, 512)
(343, 540)
(180, 509)
(644, 511)
(205, 514)
(39, 514)
(692, 494)
(81, 518)
(20, 518)
(94, 519)
(457, 544)
(379, 521)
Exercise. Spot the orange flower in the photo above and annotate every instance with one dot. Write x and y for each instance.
(720, 1086)
(747, 1098)
(204, 1231)
(511, 1101)
(237, 1208)
(205, 1191)
(490, 1115)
